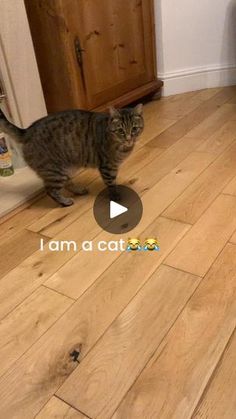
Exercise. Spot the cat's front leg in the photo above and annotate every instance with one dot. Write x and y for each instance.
(109, 176)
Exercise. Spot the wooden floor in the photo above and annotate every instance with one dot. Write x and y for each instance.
(155, 332)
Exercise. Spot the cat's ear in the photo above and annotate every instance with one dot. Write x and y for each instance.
(138, 110)
(114, 113)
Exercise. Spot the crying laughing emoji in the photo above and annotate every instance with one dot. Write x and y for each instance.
(134, 245)
(151, 244)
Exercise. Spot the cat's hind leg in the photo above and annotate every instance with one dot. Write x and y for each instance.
(54, 181)
(75, 188)
(56, 194)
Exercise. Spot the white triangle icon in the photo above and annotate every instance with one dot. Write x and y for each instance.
(116, 209)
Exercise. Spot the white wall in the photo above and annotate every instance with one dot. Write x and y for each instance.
(196, 43)
(18, 64)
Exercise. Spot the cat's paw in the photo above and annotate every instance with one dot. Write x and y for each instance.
(66, 202)
(77, 189)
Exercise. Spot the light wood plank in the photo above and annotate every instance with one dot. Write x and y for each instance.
(17, 248)
(103, 378)
(202, 244)
(219, 401)
(129, 273)
(208, 127)
(213, 123)
(46, 365)
(207, 94)
(65, 280)
(176, 107)
(164, 164)
(33, 271)
(201, 193)
(191, 120)
(220, 140)
(57, 409)
(166, 104)
(233, 100)
(230, 189)
(154, 126)
(27, 216)
(172, 383)
(23, 326)
(233, 238)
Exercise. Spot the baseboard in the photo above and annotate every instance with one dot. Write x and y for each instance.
(198, 78)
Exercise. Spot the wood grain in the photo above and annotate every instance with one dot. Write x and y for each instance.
(57, 409)
(172, 383)
(102, 379)
(230, 189)
(201, 193)
(202, 244)
(33, 271)
(24, 325)
(27, 216)
(17, 248)
(172, 107)
(219, 400)
(105, 52)
(210, 125)
(85, 322)
(178, 106)
(191, 120)
(220, 140)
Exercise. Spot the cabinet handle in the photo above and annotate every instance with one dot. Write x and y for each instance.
(79, 56)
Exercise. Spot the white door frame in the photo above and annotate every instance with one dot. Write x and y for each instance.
(18, 65)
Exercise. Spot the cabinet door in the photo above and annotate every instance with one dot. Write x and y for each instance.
(114, 40)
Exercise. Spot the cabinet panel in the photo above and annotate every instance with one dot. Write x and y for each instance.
(94, 52)
(116, 37)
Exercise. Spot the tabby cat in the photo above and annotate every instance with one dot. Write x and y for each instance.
(58, 143)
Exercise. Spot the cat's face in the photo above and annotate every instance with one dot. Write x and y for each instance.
(126, 125)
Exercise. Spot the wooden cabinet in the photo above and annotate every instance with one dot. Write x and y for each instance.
(93, 53)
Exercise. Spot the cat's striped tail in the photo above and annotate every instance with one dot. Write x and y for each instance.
(9, 128)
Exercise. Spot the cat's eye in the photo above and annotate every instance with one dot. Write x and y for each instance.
(121, 132)
(135, 130)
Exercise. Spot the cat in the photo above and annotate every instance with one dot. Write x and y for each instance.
(56, 144)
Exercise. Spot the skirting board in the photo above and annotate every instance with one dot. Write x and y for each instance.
(197, 79)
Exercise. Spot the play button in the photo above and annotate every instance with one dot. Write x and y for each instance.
(118, 216)
(116, 209)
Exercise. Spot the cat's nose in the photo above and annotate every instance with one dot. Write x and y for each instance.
(128, 137)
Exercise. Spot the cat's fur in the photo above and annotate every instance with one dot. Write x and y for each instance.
(54, 145)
